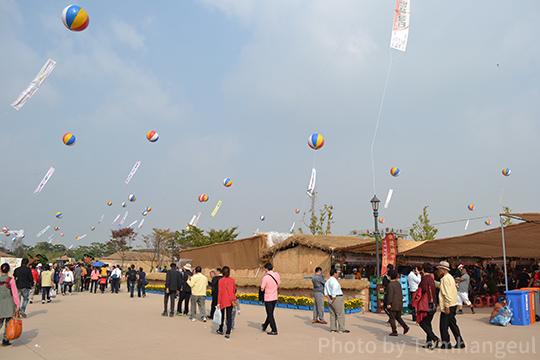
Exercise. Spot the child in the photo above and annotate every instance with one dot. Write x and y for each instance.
(233, 316)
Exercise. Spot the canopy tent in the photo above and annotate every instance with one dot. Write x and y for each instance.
(522, 241)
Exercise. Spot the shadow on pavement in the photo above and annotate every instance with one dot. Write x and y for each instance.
(26, 337)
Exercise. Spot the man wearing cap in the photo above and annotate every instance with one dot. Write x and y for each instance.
(198, 283)
(463, 290)
(356, 274)
(448, 306)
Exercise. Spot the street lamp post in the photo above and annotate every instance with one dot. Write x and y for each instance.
(375, 205)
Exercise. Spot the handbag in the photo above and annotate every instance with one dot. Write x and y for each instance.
(14, 326)
(261, 292)
(234, 303)
(432, 308)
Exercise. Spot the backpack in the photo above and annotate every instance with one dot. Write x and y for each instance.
(7, 283)
(132, 275)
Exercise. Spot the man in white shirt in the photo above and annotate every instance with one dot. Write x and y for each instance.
(116, 275)
(336, 303)
(414, 279)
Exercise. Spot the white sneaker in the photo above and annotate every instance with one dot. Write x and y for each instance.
(43, 301)
(204, 319)
(192, 319)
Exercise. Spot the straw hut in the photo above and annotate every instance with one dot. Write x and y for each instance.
(146, 260)
(299, 255)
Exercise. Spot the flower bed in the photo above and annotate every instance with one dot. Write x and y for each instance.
(291, 302)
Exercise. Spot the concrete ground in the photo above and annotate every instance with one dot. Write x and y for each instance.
(96, 326)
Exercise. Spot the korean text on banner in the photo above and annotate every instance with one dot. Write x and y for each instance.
(400, 32)
(34, 85)
(389, 252)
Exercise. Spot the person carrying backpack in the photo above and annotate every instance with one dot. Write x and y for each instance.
(132, 277)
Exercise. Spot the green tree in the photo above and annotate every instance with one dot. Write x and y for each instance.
(322, 224)
(421, 230)
(507, 220)
(121, 240)
(158, 242)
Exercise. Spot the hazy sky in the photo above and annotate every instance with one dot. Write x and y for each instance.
(234, 89)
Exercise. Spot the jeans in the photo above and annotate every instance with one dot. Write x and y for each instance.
(270, 320)
(94, 286)
(45, 293)
(449, 321)
(114, 285)
(66, 286)
(425, 324)
(2, 321)
(169, 297)
(141, 286)
(184, 298)
(318, 308)
(24, 293)
(132, 285)
(228, 310)
(199, 300)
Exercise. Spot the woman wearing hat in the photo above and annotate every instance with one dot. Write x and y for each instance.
(448, 306)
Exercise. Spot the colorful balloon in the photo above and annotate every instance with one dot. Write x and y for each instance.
(297, 211)
(93, 228)
(487, 222)
(69, 139)
(227, 182)
(144, 213)
(132, 198)
(148, 208)
(316, 141)
(470, 207)
(56, 228)
(124, 204)
(75, 18)
(8, 234)
(381, 220)
(152, 136)
(109, 203)
(59, 215)
(262, 218)
(138, 245)
(5, 229)
(394, 171)
(506, 172)
(62, 234)
(331, 217)
(203, 198)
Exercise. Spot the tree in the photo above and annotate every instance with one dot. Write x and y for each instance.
(322, 224)
(157, 243)
(121, 241)
(195, 237)
(421, 230)
(507, 220)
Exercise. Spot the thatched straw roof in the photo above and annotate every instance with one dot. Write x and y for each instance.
(303, 283)
(5, 255)
(135, 256)
(327, 243)
(402, 246)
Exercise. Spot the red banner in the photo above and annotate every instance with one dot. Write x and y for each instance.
(389, 252)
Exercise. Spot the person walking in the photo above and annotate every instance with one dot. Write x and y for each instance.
(116, 275)
(463, 291)
(198, 283)
(185, 291)
(226, 300)
(131, 276)
(448, 306)
(270, 284)
(24, 280)
(68, 280)
(9, 299)
(78, 274)
(336, 303)
(94, 276)
(172, 288)
(141, 282)
(395, 303)
(318, 296)
(413, 279)
(423, 297)
(46, 277)
(214, 283)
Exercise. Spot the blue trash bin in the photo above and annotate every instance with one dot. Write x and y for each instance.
(518, 301)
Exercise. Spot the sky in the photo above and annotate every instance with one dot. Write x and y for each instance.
(235, 88)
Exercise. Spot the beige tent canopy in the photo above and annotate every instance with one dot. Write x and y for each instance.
(237, 254)
(522, 241)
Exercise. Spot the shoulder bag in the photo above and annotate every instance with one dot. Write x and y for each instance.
(14, 326)
(234, 303)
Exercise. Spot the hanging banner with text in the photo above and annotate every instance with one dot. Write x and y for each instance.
(389, 252)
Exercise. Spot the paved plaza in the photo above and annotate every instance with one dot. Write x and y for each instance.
(96, 326)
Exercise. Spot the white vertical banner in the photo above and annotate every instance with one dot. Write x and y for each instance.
(312, 180)
(34, 85)
(44, 181)
(400, 31)
(133, 171)
(388, 198)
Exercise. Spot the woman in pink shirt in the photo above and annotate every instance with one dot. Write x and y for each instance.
(94, 276)
(9, 299)
(270, 284)
(226, 295)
